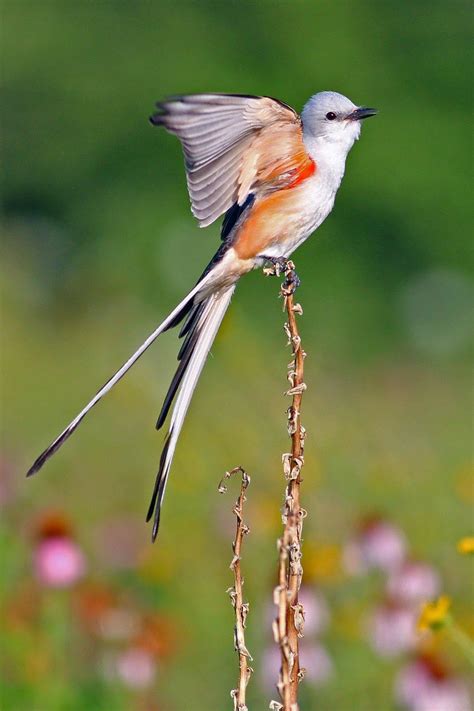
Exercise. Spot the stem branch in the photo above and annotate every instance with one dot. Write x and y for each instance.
(288, 626)
(241, 608)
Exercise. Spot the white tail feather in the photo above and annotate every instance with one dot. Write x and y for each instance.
(66, 433)
(208, 326)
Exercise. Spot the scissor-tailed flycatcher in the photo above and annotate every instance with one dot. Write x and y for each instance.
(275, 176)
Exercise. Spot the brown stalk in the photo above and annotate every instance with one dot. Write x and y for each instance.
(241, 608)
(288, 626)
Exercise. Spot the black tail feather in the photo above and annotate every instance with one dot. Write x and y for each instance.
(181, 314)
(157, 496)
(49, 451)
(191, 319)
(183, 357)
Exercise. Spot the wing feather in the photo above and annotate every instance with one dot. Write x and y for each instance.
(233, 145)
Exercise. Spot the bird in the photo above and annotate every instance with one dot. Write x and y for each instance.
(273, 174)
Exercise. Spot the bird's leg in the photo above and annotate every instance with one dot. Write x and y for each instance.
(292, 280)
(282, 265)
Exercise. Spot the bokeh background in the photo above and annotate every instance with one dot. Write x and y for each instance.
(98, 245)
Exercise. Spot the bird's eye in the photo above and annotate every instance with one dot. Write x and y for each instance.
(331, 116)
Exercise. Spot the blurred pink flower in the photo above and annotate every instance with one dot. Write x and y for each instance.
(313, 657)
(411, 682)
(316, 611)
(57, 559)
(317, 662)
(424, 685)
(136, 668)
(449, 695)
(59, 562)
(378, 544)
(392, 629)
(413, 583)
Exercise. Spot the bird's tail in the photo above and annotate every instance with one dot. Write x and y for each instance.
(200, 329)
(187, 306)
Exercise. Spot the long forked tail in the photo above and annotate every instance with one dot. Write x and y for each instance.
(200, 329)
(183, 308)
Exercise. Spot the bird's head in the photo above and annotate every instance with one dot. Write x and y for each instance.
(333, 118)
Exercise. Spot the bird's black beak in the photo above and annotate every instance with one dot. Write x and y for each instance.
(362, 112)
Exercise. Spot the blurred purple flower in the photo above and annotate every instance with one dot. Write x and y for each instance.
(378, 544)
(136, 668)
(424, 685)
(392, 629)
(59, 562)
(413, 583)
(313, 657)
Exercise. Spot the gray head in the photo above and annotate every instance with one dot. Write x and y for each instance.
(333, 118)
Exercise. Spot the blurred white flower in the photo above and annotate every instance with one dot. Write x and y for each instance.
(414, 583)
(136, 668)
(392, 629)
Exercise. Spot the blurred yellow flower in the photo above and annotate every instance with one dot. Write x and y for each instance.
(322, 562)
(466, 545)
(464, 488)
(434, 615)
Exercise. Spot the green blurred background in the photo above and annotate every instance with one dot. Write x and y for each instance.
(99, 243)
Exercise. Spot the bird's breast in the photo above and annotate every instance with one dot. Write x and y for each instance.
(280, 221)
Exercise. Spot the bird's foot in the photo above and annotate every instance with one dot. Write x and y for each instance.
(279, 265)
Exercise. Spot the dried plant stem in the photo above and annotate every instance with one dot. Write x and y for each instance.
(288, 627)
(241, 608)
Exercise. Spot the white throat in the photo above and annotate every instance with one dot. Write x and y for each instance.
(329, 155)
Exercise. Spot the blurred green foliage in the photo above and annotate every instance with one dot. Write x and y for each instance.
(99, 242)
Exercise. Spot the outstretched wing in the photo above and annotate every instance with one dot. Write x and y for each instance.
(234, 145)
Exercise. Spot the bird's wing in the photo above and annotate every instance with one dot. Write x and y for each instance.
(234, 145)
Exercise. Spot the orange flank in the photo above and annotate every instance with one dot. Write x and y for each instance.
(288, 172)
(305, 171)
(263, 226)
